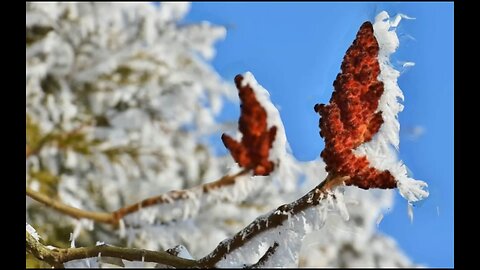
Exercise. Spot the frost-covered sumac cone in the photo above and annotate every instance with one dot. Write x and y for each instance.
(352, 118)
(252, 152)
(360, 124)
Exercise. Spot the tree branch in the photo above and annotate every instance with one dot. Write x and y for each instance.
(69, 210)
(275, 219)
(115, 217)
(261, 262)
(57, 256)
(176, 195)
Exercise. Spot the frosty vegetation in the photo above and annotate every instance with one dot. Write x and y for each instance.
(120, 103)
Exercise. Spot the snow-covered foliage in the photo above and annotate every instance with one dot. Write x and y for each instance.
(119, 99)
(124, 84)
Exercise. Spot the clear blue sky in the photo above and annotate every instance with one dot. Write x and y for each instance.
(295, 50)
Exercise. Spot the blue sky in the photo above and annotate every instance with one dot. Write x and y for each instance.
(295, 51)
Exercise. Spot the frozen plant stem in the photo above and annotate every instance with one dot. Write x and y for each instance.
(69, 210)
(176, 195)
(115, 217)
(58, 256)
(261, 262)
(275, 219)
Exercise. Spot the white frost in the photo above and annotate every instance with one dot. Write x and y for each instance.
(379, 219)
(340, 204)
(170, 11)
(32, 232)
(408, 64)
(286, 166)
(381, 150)
(289, 236)
(83, 263)
(410, 212)
(182, 252)
(72, 240)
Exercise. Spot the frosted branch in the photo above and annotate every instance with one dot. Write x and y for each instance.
(176, 195)
(115, 217)
(273, 220)
(58, 256)
(69, 210)
(270, 251)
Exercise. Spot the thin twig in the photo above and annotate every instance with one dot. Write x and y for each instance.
(115, 217)
(176, 195)
(275, 219)
(69, 210)
(261, 262)
(58, 256)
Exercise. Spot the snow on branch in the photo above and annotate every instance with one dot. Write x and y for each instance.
(274, 219)
(195, 194)
(115, 217)
(360, 124)
(264, 259)
(32, 232)
(69, 210)
(58, 256)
